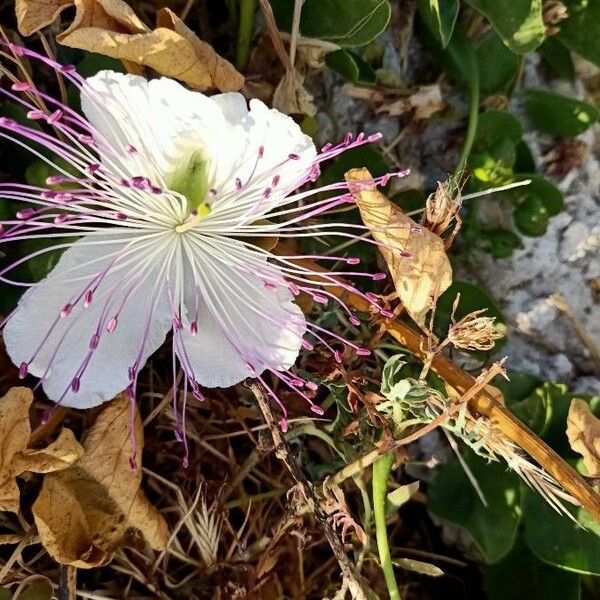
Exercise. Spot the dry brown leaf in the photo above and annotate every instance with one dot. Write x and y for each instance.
(58, 455)
(33, 15)
(85, 512)
(14, 437)
(583, 431)
(291, 97)
(419, 276)
(111, 27)
(16, 457)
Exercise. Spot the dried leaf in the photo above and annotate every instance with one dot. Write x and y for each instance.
(583, 431)
(33, 15)
(59, 455)
(85, 512)
(111, 27)
(14, 437)
(415, 256)
(291, 97)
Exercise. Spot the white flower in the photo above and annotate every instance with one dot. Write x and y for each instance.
(172, 196)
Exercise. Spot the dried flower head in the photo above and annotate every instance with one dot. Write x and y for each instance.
(553, 12)
(474, 332)
(442, 207)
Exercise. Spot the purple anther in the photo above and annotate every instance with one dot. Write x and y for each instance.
(275, 181)
(384, 312)
(194, 327)
(21, 86)
(363, 352)
(36, 114)
(94, 341)
(26, 213)
(284, 424)
(294, 156)
(353, 260)
(238, 183)
(307, 345)
(261, 151)
(354, 320)
(317, 410)
(23, 370)
(88, 297)
(75, 385)
(55, 117)
(66, 311)
(379, 276)
(112, 325)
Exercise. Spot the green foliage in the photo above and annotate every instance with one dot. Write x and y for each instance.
(518, 22)
(348, 23)
(452, 498)
(581, 31)
(351, 66)
(558, 115)
(558, 57)
(522, 575)
(440, 17)
(498, 66)
(557, 540)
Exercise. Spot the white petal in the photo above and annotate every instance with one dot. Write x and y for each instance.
(146, 312)
(161, 119)
(240, 322)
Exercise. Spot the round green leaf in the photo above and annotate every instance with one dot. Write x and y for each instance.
(351, 66)
(440, 17)
(498, 66)
(558, 115)
(524, 161)
(557, 540)
(542, 189)
(518, 22)
(581, 31)
(531, 217)
(558, 57)
(494, 126)
(344, 22)
(500, 243)
(452, 498)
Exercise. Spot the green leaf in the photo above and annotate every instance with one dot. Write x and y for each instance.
(440, 17)
(558, 115)
(524, 161)
(581, 31)
(500, 243)
(472, 298)
(522, 575)
(494, 126)
(558, 57)
(351, 66)
(400, 496)
(453, 499)
(517, 387)
(498, 66)
(531, 217)
(459, 59)
(518, 22)
(556, 539)
(540, 188)
(345, 22)
(91, 63)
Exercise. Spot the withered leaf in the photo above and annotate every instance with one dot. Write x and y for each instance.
(16, 457)
(111, 27)
(85, 512)
(14, 437)
(583, 431)
(33, 15)
(415, 256)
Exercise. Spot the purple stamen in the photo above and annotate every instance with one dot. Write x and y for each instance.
(23, 370)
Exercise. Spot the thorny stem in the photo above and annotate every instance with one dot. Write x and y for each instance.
(487, 402)
(247, 10)
(381, 474)
(283, 452)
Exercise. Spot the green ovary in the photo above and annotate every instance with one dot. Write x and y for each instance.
(190, 179)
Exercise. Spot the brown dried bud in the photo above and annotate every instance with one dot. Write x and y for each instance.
(442, 208)
(565, 155)
(553, 12)
(474, 332)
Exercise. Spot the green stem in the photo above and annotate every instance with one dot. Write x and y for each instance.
(247, 10)
(473, 117)
(381, 474)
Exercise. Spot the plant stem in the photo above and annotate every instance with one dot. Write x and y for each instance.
(247, 10)
(381, 473)
(473, 117)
